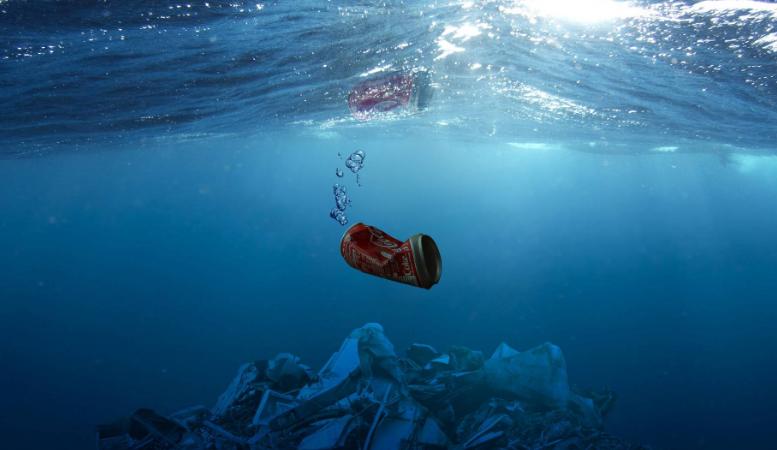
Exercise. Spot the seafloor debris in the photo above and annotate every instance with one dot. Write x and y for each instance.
(366, 397)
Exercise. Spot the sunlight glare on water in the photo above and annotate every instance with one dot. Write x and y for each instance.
(576, 11)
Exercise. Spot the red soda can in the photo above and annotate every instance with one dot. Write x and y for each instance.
(392, 92)
(416, 261)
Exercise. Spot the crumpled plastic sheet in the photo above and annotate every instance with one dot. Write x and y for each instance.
(367, 397)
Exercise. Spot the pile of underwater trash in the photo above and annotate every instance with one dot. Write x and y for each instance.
(367, 397)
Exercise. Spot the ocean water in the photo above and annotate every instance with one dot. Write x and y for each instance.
(597, 174)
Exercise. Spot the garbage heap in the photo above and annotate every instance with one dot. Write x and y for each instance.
(367, 397)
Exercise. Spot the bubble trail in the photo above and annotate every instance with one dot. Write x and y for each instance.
(355, 161)
(339, 216)
(341, 203)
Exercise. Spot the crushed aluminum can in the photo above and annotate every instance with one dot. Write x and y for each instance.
(416, 261)
(392, 92)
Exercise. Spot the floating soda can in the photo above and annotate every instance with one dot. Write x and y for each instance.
(392, 92)
(416, 261)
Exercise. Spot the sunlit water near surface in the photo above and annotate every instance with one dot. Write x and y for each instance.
(600, 175)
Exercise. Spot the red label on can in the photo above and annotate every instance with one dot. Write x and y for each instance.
(372, 251)
(380, 95)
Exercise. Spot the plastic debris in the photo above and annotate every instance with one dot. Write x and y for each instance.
(538, 375)
(273, 404)
(332, 434)
(377, 353)
(140, 430)
(242, 389)
(286, 372)
(368, 397)
(421, 354)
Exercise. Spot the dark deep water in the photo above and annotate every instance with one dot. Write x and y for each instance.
(165, 201)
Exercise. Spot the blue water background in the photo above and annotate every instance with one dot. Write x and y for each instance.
(146, 253)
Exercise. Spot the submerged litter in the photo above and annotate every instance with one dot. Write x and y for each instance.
(416, 261)
(367, 397)
(395, 92)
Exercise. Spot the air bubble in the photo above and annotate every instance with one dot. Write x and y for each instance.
(339, 216)
(355, 161)
(341, 203)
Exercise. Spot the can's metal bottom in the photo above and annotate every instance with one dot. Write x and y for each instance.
(427, 259)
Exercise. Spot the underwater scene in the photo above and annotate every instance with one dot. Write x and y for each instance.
(461, 224)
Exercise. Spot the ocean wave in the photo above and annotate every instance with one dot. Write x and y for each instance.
(102, 71)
